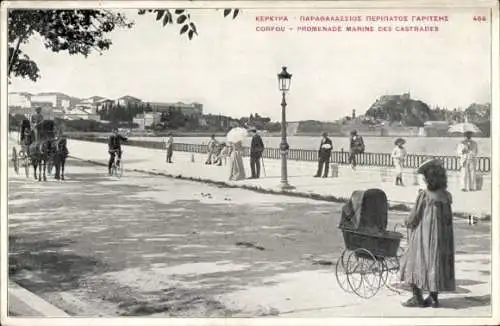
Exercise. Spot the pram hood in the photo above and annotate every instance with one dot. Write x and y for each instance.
(366, 211)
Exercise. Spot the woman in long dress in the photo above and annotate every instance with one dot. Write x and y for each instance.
(429, 263)
(237, 171)
(467, 151)
(398, 157)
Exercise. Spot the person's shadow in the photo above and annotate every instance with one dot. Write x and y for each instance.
(465, 302)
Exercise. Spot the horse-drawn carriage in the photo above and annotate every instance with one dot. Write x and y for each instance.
(40, 151)
(372, 252)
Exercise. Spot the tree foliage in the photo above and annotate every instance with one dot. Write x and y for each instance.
(182, 17)
(78, 32)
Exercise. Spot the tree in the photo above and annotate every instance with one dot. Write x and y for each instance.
(79, 32)
(75, 31)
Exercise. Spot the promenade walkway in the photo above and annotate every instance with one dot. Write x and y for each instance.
(300, 174)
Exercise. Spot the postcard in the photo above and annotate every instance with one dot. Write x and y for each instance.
(249, 162)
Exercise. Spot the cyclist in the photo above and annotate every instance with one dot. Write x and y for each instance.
(115, 148)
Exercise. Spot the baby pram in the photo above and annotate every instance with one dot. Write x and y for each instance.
(371, 251)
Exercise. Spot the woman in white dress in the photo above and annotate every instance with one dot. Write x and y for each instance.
(467, 151)
(237, 171)
(398, 158)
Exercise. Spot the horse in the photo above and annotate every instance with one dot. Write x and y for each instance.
(60, 153)
(39, 153)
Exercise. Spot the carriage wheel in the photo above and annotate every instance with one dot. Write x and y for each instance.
(341, 272)
(27, 166)
(15, 161)
(365, 273)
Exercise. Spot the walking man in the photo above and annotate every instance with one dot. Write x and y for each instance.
(170, 147)
(467, 151)
(212, 144)
(256, 149)
(324, 153)
(36, 122)
(357, 146)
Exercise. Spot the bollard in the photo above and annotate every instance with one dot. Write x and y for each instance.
(383, 174)
(415, 178)
(479, 182)
(472, 219)
(335, 170)
(192, 158)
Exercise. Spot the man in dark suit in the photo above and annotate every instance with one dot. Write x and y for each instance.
(324, 153)
(256, 149)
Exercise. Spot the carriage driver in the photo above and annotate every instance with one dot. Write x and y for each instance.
(36, 122)
(115, 148)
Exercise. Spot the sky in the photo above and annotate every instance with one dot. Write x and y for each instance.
(232, 69)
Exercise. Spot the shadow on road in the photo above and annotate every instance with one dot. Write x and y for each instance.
(60, 271)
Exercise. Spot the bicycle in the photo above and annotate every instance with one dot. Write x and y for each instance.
(116, 167)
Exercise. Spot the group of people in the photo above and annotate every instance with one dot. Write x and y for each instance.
(356, 146)
(467, 152)
(219, 152)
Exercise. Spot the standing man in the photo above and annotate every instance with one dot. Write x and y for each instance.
(357, 146)
(256, 149)
(36, 122)
(467, 151)
(212, 144)
(324, 153)
(170, 147)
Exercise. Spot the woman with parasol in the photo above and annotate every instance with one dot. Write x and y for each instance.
(235, 138)
(398, 158)
(467, 151)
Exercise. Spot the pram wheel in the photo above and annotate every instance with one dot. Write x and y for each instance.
(364, 273)
(341, 272)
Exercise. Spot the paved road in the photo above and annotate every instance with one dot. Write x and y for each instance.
(148, 245)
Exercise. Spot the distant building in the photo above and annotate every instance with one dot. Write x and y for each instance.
(19, 99)
(434, 129)
(80, 113)
(147, 119)
(190, 110)
(127, 100)
(58, 100)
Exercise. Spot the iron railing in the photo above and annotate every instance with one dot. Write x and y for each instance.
(483, 164)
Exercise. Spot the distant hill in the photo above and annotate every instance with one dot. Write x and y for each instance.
(400, 108)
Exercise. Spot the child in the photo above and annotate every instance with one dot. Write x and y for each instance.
(429, 263)
(398, 157)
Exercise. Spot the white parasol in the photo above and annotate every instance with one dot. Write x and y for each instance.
(236, 135)
(464, 127)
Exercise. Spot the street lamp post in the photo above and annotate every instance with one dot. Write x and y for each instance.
(284, 80)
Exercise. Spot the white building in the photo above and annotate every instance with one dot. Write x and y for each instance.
(147, 119)
(19, 100)
(127, 100)
(188, 109)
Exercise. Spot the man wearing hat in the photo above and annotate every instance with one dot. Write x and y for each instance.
(256, 149)
(467, 151)
(324, 153)
(357, 146)
(398, 158)
(170, 148)
(36, 122)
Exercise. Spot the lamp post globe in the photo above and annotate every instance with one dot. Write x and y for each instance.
(284, 81)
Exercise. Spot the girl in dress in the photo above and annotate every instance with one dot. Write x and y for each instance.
(429, 263)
